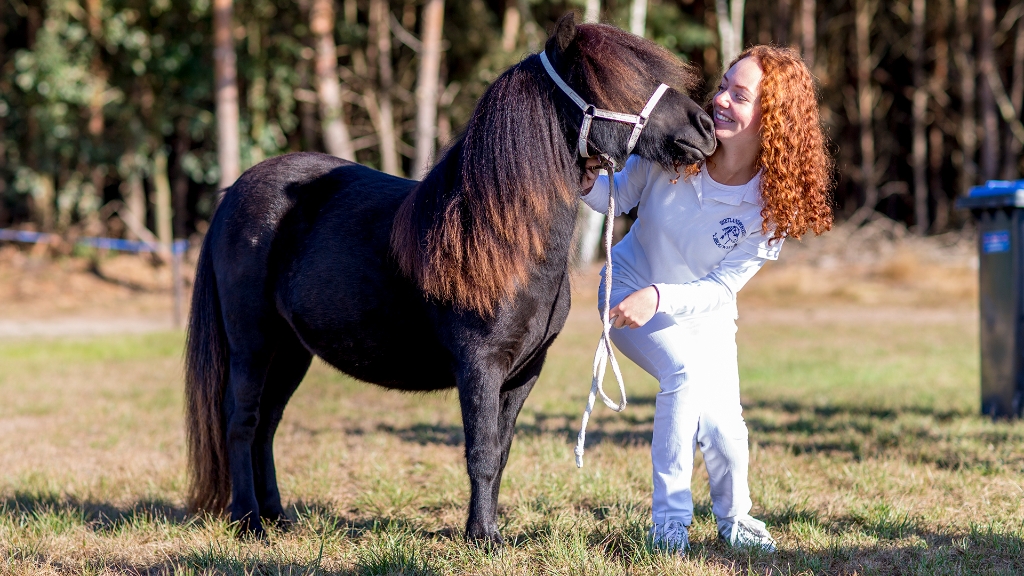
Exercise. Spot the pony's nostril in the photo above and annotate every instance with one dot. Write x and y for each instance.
(707, 124)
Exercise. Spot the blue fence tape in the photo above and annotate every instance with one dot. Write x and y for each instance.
(177, 247)
(24, 236)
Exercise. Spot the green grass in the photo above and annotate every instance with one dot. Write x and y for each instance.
(867, 457)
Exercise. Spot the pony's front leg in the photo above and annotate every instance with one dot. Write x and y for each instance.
(478, 396)
(513, 395)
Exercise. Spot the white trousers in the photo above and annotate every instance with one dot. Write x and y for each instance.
(694, 360)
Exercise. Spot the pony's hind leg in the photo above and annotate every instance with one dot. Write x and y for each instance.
(290, 364)
(250, 362)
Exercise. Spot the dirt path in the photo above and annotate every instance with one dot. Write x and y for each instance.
(81, 326)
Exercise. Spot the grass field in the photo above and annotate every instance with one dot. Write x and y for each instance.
(867, 457)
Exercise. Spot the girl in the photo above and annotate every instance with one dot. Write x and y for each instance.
(697, 240)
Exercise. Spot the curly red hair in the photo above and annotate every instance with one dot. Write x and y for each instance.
(796, 177)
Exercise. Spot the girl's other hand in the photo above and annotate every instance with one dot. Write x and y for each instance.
(636, 309)
(591, 171)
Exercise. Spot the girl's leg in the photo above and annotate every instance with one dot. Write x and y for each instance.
(722, 433)
(723, 439)
(662, 348)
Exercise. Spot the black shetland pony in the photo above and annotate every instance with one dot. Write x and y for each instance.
(460, 280)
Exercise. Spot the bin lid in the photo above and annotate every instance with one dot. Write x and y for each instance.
(994, 194)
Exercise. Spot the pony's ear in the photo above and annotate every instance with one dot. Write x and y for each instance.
(565, 31)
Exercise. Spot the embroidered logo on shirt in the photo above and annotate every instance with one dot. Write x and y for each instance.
(731, 233)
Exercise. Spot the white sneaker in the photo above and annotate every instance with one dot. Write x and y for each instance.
(747, 532)
(671, 536)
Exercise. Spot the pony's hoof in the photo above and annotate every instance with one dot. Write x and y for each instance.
(282, 522)
(485, 537)
(250, 530)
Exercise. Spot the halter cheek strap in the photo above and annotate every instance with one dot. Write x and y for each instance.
(590, 111)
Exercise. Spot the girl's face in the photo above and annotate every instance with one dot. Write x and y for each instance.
(737, 105)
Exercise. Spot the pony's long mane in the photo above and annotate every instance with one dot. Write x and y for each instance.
(472, 230)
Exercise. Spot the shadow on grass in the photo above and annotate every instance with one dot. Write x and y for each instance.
(317, 516)
(829, 411)
(903, 545)
(879, 541)
(397, 545)
(559, 426)
(98, 516)
(424, 434)
(841, 545)
(947, 439)
(389, 545)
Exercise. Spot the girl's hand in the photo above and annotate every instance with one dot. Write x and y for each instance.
(591, 171)
(636, 309)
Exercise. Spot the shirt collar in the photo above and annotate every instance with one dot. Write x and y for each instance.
(732, 195)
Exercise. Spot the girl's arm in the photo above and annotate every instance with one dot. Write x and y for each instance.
(719, 287)
(629, 186)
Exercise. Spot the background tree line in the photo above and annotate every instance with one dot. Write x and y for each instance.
(109, 108)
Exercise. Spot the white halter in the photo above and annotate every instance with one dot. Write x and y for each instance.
(590, 111)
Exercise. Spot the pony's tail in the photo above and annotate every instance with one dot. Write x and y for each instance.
(206, 370)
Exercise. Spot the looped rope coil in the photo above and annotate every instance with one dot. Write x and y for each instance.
(604, 353)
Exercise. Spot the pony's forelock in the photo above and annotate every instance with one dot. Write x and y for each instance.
(616, 69)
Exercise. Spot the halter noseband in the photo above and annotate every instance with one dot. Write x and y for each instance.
(590, 111)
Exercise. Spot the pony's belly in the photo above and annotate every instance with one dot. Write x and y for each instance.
(398, 368)
(391, 350)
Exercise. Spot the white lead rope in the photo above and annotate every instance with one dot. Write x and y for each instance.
(604, 352)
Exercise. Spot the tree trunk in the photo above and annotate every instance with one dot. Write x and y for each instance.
(256, 92)
(919, 107)
(179, 179)
(935, 154)
(589, 223)
(307, 111)
(134, 196)
(427, 86)
(380, 15)
(162, 201)
(808, 31)
(226, 93)
(510, 25)
(1012, 147)
(939, 89)
(730, 28)
(336, 137)
(44, 195)
(986, 99)
(781, 16)
(638, 17)
(968, 136)
(866, 99)
(531, 30)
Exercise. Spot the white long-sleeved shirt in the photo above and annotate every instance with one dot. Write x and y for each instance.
(697, 241)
